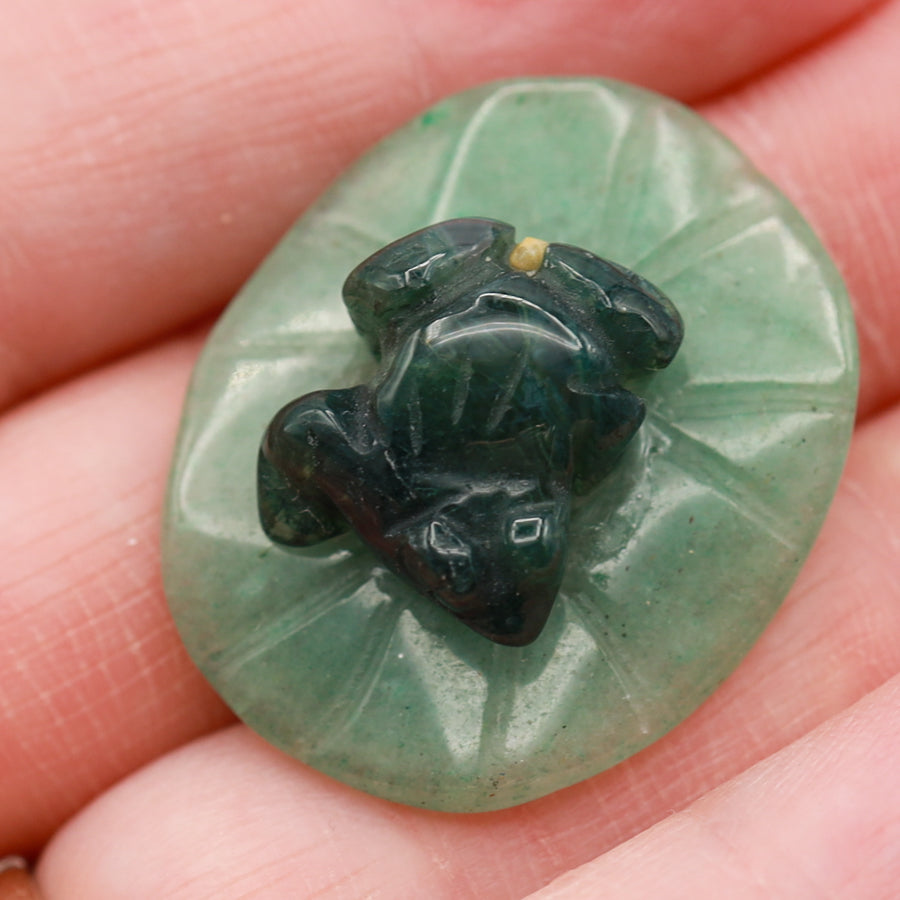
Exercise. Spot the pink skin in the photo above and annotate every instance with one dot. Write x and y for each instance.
(150, 154)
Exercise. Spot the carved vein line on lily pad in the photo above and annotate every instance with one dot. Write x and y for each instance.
(627, 217)
(543, 705)
(362, 676)
(798, 268)
(753, 398)
(444, 203)
(300, 615)
(696, 236)
(612, 162)
(633, 688)
(498, 706)
(731, 482)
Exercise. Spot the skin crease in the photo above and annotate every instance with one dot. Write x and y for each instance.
(152, 154)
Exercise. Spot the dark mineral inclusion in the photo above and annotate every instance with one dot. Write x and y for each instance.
(498, 396)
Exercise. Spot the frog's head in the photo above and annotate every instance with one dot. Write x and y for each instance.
(493, 558)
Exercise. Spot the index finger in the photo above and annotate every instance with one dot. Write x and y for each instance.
(152, 153)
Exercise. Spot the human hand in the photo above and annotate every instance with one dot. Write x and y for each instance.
(152, 154)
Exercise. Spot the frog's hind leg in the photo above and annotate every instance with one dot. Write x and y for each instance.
(307, 438)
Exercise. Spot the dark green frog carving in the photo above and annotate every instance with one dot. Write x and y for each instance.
(499, 395)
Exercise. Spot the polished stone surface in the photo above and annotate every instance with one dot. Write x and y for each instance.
(499, 391)
(675, 565)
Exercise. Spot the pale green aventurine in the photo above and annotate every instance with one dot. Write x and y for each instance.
(676, 562)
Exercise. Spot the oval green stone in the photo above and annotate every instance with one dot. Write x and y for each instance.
(676, 562)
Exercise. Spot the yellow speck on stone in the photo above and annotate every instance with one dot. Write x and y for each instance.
(528, 254)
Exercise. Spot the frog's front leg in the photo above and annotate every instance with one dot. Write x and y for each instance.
(605, 422)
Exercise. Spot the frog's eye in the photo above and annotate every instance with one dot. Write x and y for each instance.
(526, 530)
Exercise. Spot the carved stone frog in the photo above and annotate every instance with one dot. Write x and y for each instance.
(499, 396)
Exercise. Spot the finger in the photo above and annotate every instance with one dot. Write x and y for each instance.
(95, 682)
(270, 818)
(155, 151)
(820, 819)
(94, 679)
(16, 882)
(824, 129)
(836, 638)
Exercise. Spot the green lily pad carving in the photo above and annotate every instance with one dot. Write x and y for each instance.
(676, 562)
